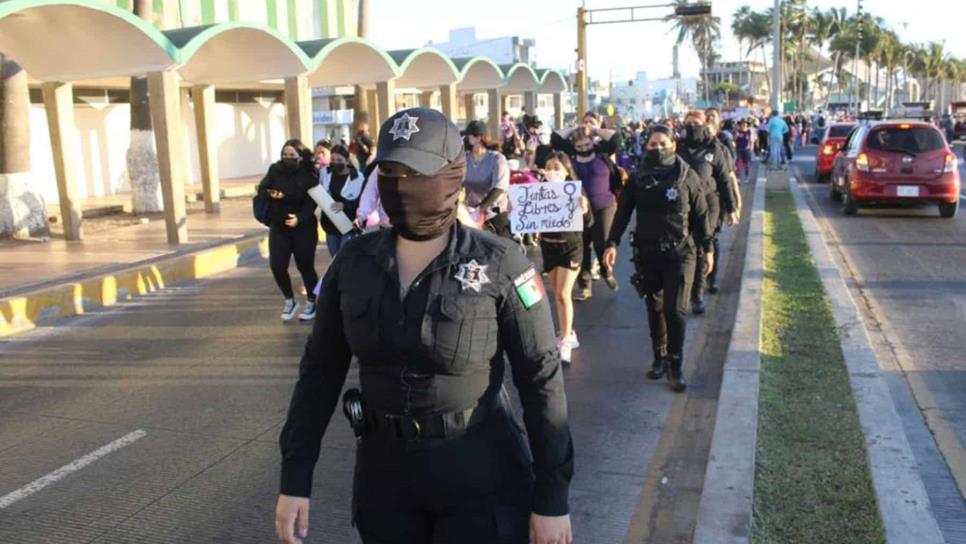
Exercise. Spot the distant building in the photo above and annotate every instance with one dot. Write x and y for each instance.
(749, 76)
(641, 98)
(502, 50)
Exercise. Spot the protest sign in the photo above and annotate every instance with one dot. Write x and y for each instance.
(552, 206)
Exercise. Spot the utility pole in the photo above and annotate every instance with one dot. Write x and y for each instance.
(359, 105)
(585, 18)
(581, 62)
(855, 61)
(776, 69)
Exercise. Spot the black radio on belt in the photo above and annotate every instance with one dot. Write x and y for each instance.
(354, 409)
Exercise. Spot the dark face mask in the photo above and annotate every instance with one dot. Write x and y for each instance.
(290, 165)
(696, 133)
(338, 168)
(586, 153)
(423, 207)
(662, 156)
(467, 145)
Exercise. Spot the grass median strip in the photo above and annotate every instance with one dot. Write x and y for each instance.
(812, 479)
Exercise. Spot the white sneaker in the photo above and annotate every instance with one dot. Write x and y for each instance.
(565, 351)
(309, 313)
(572, 338)
(290, 309)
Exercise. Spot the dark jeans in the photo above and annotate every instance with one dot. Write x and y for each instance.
(474, 489)
(596, 237)
(283, 243)
(668, 284)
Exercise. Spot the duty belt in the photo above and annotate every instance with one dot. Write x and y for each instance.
(430, 426)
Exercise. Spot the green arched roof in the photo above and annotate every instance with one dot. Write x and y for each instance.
(95, 39)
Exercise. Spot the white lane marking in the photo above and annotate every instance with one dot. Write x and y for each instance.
(67, 469)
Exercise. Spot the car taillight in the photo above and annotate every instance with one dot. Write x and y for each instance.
(828, 149)
(950, 166)
(862, 162)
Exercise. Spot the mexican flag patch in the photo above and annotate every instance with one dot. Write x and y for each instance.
(530, 288)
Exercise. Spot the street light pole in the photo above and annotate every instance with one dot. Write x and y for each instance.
(855, 61)
(581, 62)
(776, 69)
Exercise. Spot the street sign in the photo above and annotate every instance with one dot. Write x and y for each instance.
(790, 106)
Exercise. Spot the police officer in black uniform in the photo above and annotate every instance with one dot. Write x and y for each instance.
(430, 308)
(672, 224)
(709, 159)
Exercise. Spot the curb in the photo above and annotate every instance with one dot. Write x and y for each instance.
(725, 508)
(903, 504)
(24, 311)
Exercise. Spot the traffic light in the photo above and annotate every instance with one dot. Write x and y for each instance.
(692, 10)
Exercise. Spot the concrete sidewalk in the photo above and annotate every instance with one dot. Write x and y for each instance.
(40, 281)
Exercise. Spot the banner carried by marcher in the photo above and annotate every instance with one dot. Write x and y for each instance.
(552, 206)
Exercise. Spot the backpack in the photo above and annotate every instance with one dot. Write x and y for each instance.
(260, 207)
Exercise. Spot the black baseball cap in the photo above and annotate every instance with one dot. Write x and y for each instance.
(474, 128)
(419, 138)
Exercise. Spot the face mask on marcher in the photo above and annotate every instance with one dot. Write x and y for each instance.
(661, 156)
(696, 133)
(423, 208)
(290, 164)
(555, 175)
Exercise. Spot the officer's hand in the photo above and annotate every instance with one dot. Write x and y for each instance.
(732, 219)
(610, 257)
(289, 510)
(292, 221)
(708, 264)
(550, 529)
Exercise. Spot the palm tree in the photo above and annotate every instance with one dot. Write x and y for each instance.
(142, 161)
(933, 63)
(889, 56)
(704, 33)
(755, 29)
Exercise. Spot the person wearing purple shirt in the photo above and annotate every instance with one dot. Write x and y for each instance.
(594, 171)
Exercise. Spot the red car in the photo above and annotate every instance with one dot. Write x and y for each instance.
(896, 162)
(828, 146)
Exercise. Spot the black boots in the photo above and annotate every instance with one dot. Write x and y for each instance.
(698, 306)
(675, 376)
(659, 366)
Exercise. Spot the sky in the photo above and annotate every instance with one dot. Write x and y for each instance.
(621, 50)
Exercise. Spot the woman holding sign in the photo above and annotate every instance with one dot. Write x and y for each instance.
(562, 254)
(344, 184)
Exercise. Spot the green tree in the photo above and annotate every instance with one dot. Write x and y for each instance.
(703, 32)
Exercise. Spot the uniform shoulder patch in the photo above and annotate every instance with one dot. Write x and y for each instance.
(529, 287)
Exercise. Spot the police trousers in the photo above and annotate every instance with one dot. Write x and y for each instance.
(475, 488)
(667, 286)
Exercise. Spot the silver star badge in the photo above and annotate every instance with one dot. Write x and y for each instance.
(404, 127)
(672, 194)
(709, 157)
(472, 275)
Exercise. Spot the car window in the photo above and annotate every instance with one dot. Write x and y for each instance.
(840, 131)
(912, 140)
(853, 143)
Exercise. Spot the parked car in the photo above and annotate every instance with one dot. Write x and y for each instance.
(828, 146)
(896, 162)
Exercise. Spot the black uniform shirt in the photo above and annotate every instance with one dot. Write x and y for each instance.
(438, 349)
(711, 162)
(294, 185)
(671, 210)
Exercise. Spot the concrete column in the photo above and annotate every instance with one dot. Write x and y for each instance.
(373, 104)
(59, 104)
(530, 102)
(469, 105)
(169, 140)
(203, 97)
(447, 101)
(504, 104)
(298, 108)
(495, 104)
(426, 99)
(386, 96)
(558, 112)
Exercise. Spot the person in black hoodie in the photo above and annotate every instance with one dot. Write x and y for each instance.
(292, 229)
(672, 223)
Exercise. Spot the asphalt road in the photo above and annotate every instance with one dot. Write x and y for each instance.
(905, 268)
(157, 422)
